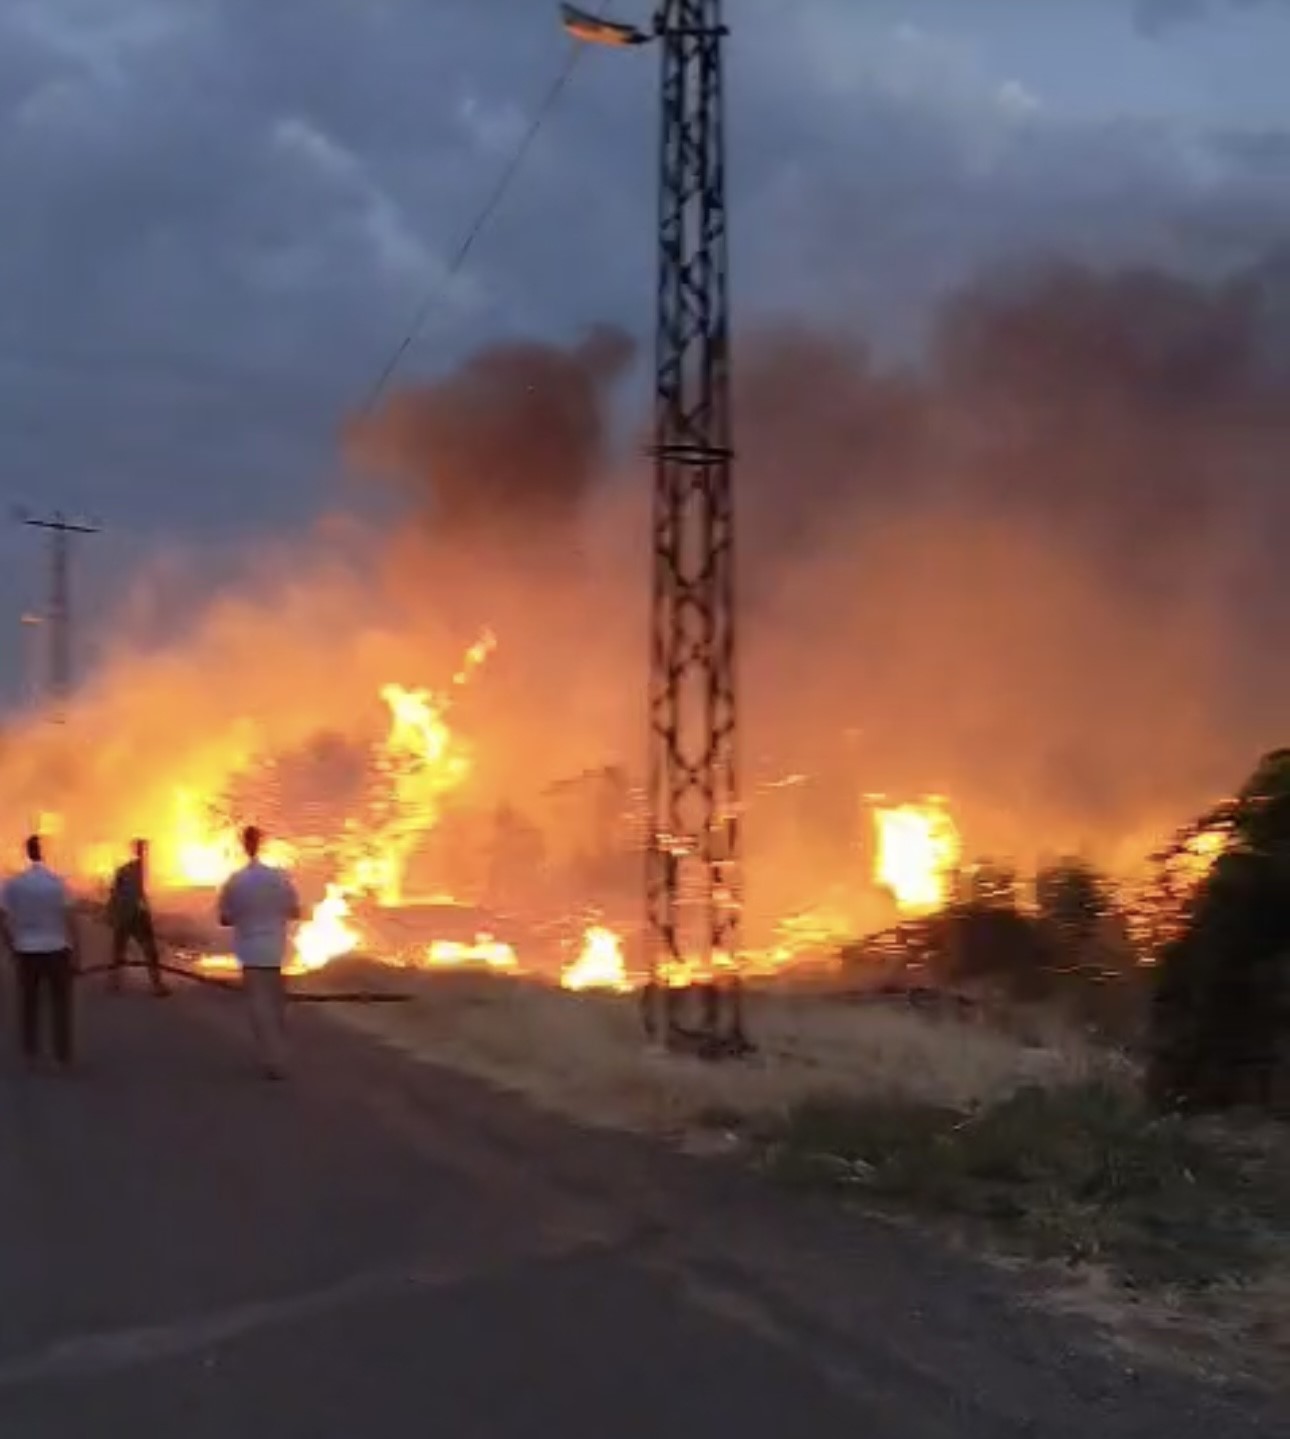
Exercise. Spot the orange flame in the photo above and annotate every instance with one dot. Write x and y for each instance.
(327, 933)
(485, 951)
(919, 850)
(418, 764)
(599, 964)
(196, 852)
(1201, 853)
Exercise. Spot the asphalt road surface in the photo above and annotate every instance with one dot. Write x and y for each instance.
(381, 1249)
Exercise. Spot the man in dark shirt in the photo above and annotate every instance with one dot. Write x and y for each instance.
(131, 919)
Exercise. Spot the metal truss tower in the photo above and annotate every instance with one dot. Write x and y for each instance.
(693, 901)
(693, 860)
(58, 616)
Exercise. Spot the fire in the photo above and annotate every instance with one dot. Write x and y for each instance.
(1201, 851)
(475, 656)
(420, 762)
(599, 964)
(196, 851)
(327, 934)
(417, 765)
(919, 850)
(485, 951)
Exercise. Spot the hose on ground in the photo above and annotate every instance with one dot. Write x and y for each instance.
(234, 984)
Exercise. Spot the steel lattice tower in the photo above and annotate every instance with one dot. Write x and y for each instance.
(692, 858)
(692, 805)
(58, 616)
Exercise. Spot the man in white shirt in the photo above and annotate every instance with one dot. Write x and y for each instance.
(260, 904)
(40, 929)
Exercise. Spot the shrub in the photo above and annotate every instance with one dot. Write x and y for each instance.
(1073, 899)
(1078, 1172)
(1219, 1021)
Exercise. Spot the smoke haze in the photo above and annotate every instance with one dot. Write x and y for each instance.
(1041, 574)
(499, 458)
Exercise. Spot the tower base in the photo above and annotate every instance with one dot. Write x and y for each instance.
(704, 1020)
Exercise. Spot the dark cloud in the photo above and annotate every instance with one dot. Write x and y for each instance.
(221, 217)
(1157, 17)
(1154, 17)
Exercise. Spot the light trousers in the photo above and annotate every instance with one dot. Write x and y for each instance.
(266, 997)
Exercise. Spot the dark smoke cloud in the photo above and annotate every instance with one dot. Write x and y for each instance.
(1041, 571)
(501, 455)
(1137, 412)
(1044, 571)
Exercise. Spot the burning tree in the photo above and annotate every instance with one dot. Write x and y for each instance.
(1220, 1017)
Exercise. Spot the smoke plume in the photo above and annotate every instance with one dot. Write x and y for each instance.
(499, 458)
(1040, 573)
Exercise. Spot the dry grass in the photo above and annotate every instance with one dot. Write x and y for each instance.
(1236, 1331)
(585, 1057)
(1172, 1235)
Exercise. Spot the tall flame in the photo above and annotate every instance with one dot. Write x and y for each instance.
(417, 765)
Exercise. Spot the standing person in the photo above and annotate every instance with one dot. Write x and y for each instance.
(130, 916)
(260, 904)
(41, 931)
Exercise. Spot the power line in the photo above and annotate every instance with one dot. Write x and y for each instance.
(200, 368)
(495, 198)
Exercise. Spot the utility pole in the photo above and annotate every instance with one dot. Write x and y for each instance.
(32, 668)
(58, 616)
(693, 872)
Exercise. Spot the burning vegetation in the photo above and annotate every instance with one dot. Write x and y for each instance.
(1018, 577)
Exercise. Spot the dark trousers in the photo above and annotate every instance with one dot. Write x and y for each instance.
(139, 929)
(44, 977)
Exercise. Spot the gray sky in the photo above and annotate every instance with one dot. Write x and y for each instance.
(220, 214)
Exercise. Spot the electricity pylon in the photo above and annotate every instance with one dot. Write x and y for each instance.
(693, 872)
